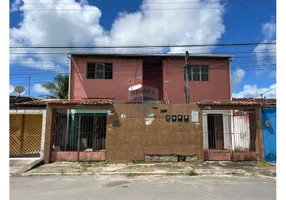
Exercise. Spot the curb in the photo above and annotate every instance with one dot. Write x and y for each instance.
(144, 174)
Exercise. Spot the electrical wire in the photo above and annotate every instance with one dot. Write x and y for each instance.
(158, 2)
(143, 46)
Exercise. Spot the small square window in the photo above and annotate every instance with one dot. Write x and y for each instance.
(198, 72)
(99, 71)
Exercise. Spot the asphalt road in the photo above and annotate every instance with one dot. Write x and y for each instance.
(141, 187)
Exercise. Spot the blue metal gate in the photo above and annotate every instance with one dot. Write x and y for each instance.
(269, 133)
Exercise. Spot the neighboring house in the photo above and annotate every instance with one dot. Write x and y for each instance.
(27, 128)
(232, 129)
(108, 76)
(19, 99)
(269, 132)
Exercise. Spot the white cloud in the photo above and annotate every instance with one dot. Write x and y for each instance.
(237, 77)
(55, 23)
(269, 30)
(38, 88)
(78, 23)
(252, 91)
(166, 26)
(266, 54)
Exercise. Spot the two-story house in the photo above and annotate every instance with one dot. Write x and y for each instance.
(110, 76)
(101, 121)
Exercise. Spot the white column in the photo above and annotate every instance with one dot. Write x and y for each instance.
(43, 134)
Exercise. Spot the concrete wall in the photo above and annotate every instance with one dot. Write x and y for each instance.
(127, 72)
(72, 156)
(138, 135)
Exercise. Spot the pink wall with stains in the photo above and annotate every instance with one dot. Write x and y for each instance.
(216, 88)
(125, 69)
(115, 89)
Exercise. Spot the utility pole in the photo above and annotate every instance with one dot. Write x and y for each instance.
(29, 85)
(187, 91)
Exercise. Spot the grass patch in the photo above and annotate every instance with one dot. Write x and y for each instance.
(265, 164)
(195, 162)
(83, 169)
(85, 165)
(63, 171)
(191, 173)
(139, 161)
(143, 162)
(129, 175)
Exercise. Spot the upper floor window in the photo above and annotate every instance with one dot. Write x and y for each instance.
(198, 72)
(99, 71)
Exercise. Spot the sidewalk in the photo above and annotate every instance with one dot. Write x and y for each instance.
(135, 169)
(20, 165)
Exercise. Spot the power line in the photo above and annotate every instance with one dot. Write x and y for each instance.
(122, 73)
(65, 53)
(65, 61)
(143, 46)
(122, 65)
(149, 9)
(145, 9)
(159, 2)
(267, 91)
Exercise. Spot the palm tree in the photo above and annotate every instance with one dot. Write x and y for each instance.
(59, 89)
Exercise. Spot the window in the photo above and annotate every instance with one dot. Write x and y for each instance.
(198, 72)
(99, 71)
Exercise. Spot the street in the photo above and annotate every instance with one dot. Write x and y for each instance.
(141, 187)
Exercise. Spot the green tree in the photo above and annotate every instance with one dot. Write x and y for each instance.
(58, 89)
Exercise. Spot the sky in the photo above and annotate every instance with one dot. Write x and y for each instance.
(149, 22)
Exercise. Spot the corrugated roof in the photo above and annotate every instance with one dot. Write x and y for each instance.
(147, 55)
(257, 100)
(80, 102)
(227, 103)
(36, 103)
(239, 102)
(62, 102)
(19, 99)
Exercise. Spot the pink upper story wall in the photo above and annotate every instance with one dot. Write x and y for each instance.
(116, 88)
(125, 69)
(216, 88)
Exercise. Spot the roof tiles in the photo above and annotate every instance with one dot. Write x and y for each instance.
(80, 102)
(239, 102)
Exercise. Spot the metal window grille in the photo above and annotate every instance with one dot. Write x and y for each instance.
(230, 132)
(99, 71)
(79, 132)
(198, 72)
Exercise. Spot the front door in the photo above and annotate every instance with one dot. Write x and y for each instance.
(215, 131)
(269, 133)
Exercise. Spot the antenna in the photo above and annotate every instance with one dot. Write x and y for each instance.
(261, 95)
(20, 90)
(135, 87)
(11, 89)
